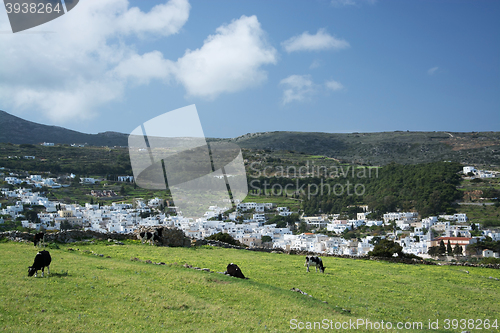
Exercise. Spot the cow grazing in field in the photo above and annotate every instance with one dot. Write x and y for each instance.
(39, 239)
(42, 260)
(234, 270)
(158, 235)
(316, 262)
(146, 236)
(152, 237)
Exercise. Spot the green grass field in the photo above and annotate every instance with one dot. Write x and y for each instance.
(88, 293)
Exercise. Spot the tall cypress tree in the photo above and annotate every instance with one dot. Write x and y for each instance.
(442, 248)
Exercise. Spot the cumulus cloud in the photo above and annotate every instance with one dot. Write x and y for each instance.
(322, 40)
(143, 68)
(297, 88)
(86, 62)
(302, 88)
(228, 61)
(432, 70)
(333, 85)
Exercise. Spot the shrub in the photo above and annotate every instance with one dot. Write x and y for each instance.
(386, 248)
(223, 237)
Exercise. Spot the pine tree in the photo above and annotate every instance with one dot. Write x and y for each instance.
(449, 250)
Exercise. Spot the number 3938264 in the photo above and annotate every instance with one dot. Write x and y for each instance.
(32, 8)
(471, 324)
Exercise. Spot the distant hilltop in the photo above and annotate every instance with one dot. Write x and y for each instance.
(404, 147)
(16, 130)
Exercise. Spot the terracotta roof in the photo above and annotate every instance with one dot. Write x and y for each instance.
(453, 238)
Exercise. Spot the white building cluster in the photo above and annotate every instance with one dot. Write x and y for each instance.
(480, 173)
(35, 180)
(126, 218)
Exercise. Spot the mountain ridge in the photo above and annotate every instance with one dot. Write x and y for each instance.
(16, 130)
(377, 148)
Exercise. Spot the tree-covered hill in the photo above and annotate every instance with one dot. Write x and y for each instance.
(358, 148)
(430, 189)
(384, 147)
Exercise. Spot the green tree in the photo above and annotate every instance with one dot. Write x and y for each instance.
(433, 251)
(386, 248)
(449, 250)
(223, 237)
(75, 181)
(442, 248)
(457, 251)
(32, 216)
(65, 225)
(266, 239)
(302, 227)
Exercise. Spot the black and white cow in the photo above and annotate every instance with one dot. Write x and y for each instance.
(39, 239)
(150, 237)
(234, 270)
(158, 235)
(42, 260)
(316, 262)
(146, 236)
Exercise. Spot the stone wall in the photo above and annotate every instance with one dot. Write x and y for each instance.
(171, 236)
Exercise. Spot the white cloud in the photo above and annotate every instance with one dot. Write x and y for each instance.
(143, 68)
(68, 74)
(334, 85)
(297, 88)
(344, 3)
(315, 64)
(322, 40)
(228, 61)
(87, 62)
(301, 88)
(432, 70)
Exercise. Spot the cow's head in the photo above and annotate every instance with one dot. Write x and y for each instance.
(307, 260)
(322, 269)
(31, 271)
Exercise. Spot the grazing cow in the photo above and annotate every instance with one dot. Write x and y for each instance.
(150, 237)
(234, 270)
(42, 260)
(39, 239)
(158, 235)
(146, 236)
(316, 262)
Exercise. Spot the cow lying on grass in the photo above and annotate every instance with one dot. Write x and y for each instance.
(42, 260)
(316, 262)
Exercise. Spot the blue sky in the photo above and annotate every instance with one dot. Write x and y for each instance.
(254, 66)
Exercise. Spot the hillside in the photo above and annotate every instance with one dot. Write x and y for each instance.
(16, 130)
(384, 147)
(89, 293)
(478, 148)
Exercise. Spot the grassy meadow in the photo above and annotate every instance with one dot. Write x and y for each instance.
(89, 293)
